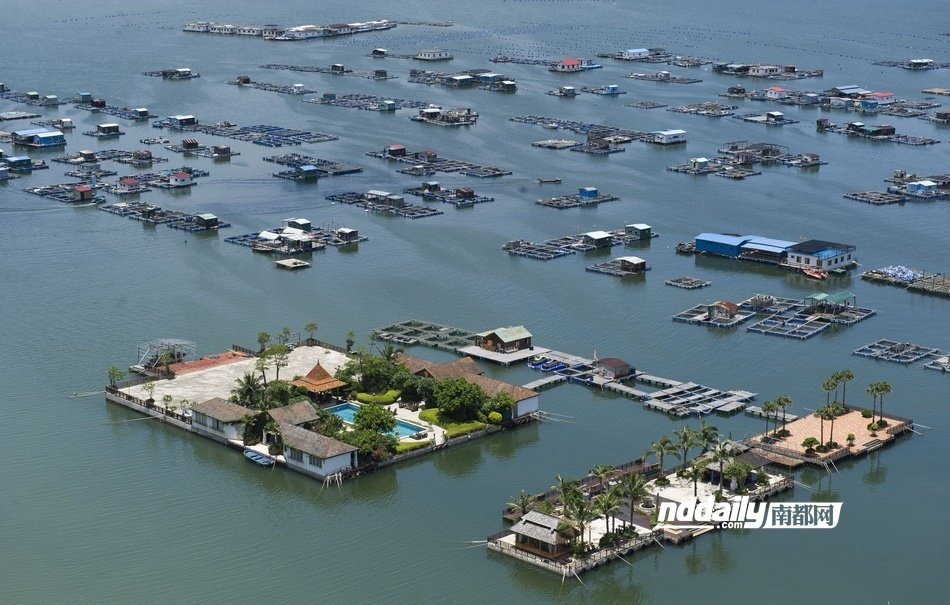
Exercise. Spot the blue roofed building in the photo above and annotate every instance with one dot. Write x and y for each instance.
(39, 137)
(765, 249)
(722, 244)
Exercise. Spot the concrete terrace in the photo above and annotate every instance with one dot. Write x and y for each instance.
(218, 380)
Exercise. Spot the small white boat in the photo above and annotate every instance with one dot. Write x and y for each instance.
(258, 458)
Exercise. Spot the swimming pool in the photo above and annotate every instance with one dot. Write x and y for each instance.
(347, 411)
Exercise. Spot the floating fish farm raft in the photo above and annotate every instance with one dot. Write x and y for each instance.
(134, 158)
(568, 244)
(67, 193)
(720, 314)
(897, 352)
(482, 79)
(172, 74)
(878, 198)
(366, 102)
(584, 128)
(523, 60)
(412, 332)
(336, 70)
(776, 72)
(7, 116)
(653, 55)
(805, 318)
(127, 113)
(90, 172)
(259, 134)
(557, 144)
(288, 240)
(155, 215)
(663, 76)
(432, 162)
(646, 104)
(625, 266)
(284, 89)
(578, 200)
(384, 202)
(192, 147)
(461, 197)
(30, 98)
(687, 283)
(914, 280)
(707, 108)
(875, 133)
(321, 167)
(915, 64)
(772, 118)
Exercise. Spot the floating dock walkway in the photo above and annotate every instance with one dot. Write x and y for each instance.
(367, 102)
(336, 70)
(259, 134)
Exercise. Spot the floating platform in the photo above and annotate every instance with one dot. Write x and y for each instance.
(902, 139)
(458, 197)
(691, 399)
(336, 70)
(292, 264)
(646, 105)
(136, 114)
(172, 74)
(7, 116)
(687, 283)
(322, 167)
(156, 215)
(284, 89)
(700, 315)
(765, 118)
(577, 201)
(663, 76)
(896, 352)
(557, 144)
(941, 364)
(383, 203)
(562, 246)
(367, 102)
(914, 280)
(430, 161)
(259, 134)
(135, 158)
(878, 198)
(413, 331)
(709, 108)
(31, 98)
(915, 64)
(66, 193)
(618, 267)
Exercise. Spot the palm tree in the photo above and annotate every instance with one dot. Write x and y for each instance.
(739, 471)
(602, 472)
(707, 435)
(607, 504)
(660, 449)
(695, 473)
(873, 391)
(844, 376)
(768, 410)
(834, 410)
(883, 388)
(310, 329)
(568, 490)
(523, 502)
(828, 386)
(783, 401)
(249, 391)
(822, 415)
(687, 439)
(580, 513)
(722, 453)
(284, 336)
(261, 364)
(633, 487)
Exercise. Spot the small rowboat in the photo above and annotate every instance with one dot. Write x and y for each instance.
(542, 180)
(258, 458)
(815, 273)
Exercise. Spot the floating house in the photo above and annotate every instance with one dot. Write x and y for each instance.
(39, 137)
(504, 340)
(922, 189)
(348, 235)
(537, 533)
(764, 71)
(314, 454)
(182, 121)
(207, 221)
(721, 309)
(634, 54)
(613, 368)
(570, 65)
(597, 239)
(821, 254)
(776, 93)
(632, 264)
(219, 419)
(638, 231)
(434, 54)
(669, 137)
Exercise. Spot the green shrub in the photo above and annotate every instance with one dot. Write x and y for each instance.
(866, 413)
(386, 398)
(494, 417)
(404, 447)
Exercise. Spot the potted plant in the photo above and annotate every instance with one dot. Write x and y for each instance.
(850, 439)
(873, 427)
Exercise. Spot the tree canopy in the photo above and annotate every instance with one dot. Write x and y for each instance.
(458, 399)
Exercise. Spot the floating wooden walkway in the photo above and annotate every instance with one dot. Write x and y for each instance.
(577, 201)
(546, 382)
(664, 77)
(379, 74)
(757, 411)
(367, 102)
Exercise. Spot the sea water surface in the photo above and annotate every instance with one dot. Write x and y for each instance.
(98, 505)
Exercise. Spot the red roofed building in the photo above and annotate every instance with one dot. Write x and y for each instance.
(568, 65)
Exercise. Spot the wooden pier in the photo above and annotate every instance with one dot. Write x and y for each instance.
(546, 382)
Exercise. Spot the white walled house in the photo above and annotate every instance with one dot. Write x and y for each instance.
(219, 419)
(821, 254)
(314, 454)
(669, 137)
